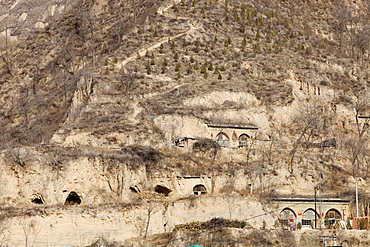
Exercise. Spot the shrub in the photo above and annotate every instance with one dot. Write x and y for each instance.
(203, 70)
(308, 50)
(155, 33)
(362, 224)
(161, 47)
(148, 68)
(163, 70)
(175, 8)
(141, 153)
(204, 145)
(152, 62)
(244, 43)
(210, 67)
(177, 67)
(176, 56)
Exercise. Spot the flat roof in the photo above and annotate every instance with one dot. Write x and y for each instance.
(332, 200)
(228, 126)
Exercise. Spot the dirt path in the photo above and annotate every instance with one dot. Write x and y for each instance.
(150, 47)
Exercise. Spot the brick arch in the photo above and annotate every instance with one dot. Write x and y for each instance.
(286, 216)
(333, 213)
(308, 217)
(223, 139)
(243, 138)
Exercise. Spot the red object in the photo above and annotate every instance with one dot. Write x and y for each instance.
(322, 215)
(299, 214)
(291, 220)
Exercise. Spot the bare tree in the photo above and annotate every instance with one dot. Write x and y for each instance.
(127, 80)
(18, 156)
(3, 237)
(358, 145)
(149, 210)
(30, 229)
(308, 125)
(343, 17)
(361, 105)
(362, 43)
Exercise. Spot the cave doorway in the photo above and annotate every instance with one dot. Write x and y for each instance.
(162, 190)
(287, 218)
(222, 139)
(332, 216)
(199, 189)
(73, 199)
(309, 217)
(243, 140)
(37, 199)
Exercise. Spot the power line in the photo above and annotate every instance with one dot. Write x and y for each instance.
(219, 227)
(250, 218)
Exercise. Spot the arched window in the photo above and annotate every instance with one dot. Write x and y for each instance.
(222, 139)
(287, 217)
(199, 189)
(243, 138)
(332, 215)
(308, 217)
(73, 199)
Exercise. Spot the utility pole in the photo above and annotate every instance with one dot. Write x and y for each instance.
(315, 208)
(356, 199)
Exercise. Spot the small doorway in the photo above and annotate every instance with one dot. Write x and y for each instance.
(73, 199)
(287, 219)
(222, 139)
(199, 189)
(243, 140)
(308, 218)
(332, 216)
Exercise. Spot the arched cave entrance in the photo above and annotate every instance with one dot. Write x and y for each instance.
(37, 199)
(331, 216)
(163, 190)
(199, 189)
(243, 138)
(73, 199)
(308, 217)
(222, 139)
(287, 218)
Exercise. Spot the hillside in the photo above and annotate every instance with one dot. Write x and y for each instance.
(125, 107)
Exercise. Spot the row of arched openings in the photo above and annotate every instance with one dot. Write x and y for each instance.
(72, 199)
(287, 216)
(223, 139)
(198, 189)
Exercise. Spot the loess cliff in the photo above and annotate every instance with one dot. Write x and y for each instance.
(131, 123)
